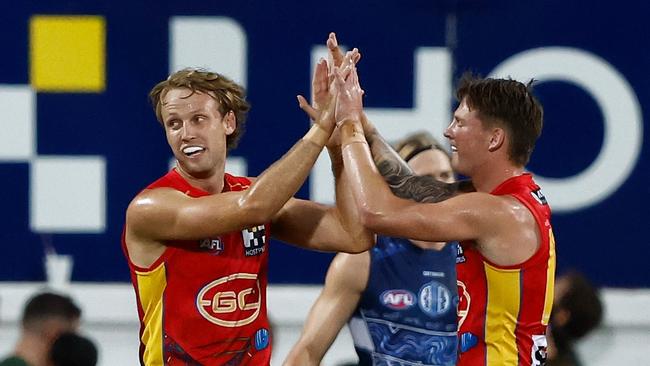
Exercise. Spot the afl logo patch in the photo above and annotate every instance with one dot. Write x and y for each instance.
(397, 299)
(435, 299)
(231, 301)
(214, 246)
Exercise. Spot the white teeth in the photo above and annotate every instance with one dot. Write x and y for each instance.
(453, 148)
(192, 149)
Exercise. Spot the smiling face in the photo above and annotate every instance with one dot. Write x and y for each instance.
(469, 140)
(196, 131)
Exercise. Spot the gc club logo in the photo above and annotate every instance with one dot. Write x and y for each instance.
(231, 301)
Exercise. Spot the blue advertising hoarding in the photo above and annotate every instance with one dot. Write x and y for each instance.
(79, 138)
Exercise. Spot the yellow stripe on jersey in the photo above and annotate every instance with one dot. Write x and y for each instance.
(151, 286)
(550, 279)
(503, 297)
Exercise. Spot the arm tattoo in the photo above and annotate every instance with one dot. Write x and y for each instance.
(403, 182)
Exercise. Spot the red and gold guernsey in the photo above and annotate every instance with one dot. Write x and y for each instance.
(203, 302)
(504, 310)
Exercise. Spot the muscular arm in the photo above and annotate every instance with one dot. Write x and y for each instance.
(159, 215)
(345, 282)
(315, 226)
(165, 214)
(384, 213)
(501, 226)
(399, 176)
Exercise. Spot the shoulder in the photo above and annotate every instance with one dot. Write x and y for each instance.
(487, 214)
(152, 201)
(152, 197)
(481, 204)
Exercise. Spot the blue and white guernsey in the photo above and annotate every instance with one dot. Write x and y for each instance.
(407, 314)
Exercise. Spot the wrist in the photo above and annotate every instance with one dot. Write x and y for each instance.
(351, 132)
(317, 135)
(354, 140)
(347, 121)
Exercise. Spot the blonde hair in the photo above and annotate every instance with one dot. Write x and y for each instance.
(229, 95)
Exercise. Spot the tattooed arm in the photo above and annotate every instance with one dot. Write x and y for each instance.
(401, 179)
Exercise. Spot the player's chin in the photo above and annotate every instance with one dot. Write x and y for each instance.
(455, 163)
(193, 167)
(459, 167)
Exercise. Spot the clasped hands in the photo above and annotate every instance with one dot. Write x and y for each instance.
(336, 92)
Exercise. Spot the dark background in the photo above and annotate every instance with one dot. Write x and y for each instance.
(608, 240)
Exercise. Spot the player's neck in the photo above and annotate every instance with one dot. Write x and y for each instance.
(491, 175)
(211, 183)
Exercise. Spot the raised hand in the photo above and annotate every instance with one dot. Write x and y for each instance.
(335, 53)
(349, 106)
(319, 91)
(324, 89)
(324, 77)
(321, 111)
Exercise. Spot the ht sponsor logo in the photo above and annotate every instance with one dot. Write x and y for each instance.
(254, 239)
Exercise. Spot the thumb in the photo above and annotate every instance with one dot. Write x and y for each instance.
(304, 105)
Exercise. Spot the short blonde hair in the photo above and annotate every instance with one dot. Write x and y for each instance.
(230, 95)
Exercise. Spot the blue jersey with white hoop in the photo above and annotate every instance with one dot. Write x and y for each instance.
(407, 314)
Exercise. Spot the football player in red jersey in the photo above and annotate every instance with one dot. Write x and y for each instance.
(197, 238)
(507, 264)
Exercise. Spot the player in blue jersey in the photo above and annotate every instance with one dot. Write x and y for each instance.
(399, 299)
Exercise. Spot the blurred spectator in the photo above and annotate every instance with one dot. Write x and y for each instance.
(45, 317)
(71, 349)
(577, 311)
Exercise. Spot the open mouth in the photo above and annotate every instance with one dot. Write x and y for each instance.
(193, 150)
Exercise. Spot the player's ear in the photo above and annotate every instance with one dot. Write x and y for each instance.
(229, 122)
(497, 138)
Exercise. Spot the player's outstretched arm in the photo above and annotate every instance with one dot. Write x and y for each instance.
(378, 208)
(315, 226)
(345, 282)
(166, 214)
(399, 176)
(403, 182)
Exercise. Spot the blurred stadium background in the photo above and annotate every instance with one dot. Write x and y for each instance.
(78, 138)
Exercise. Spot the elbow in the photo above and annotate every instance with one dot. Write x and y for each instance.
(255, 210)
(363, 242)
(370, 217)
